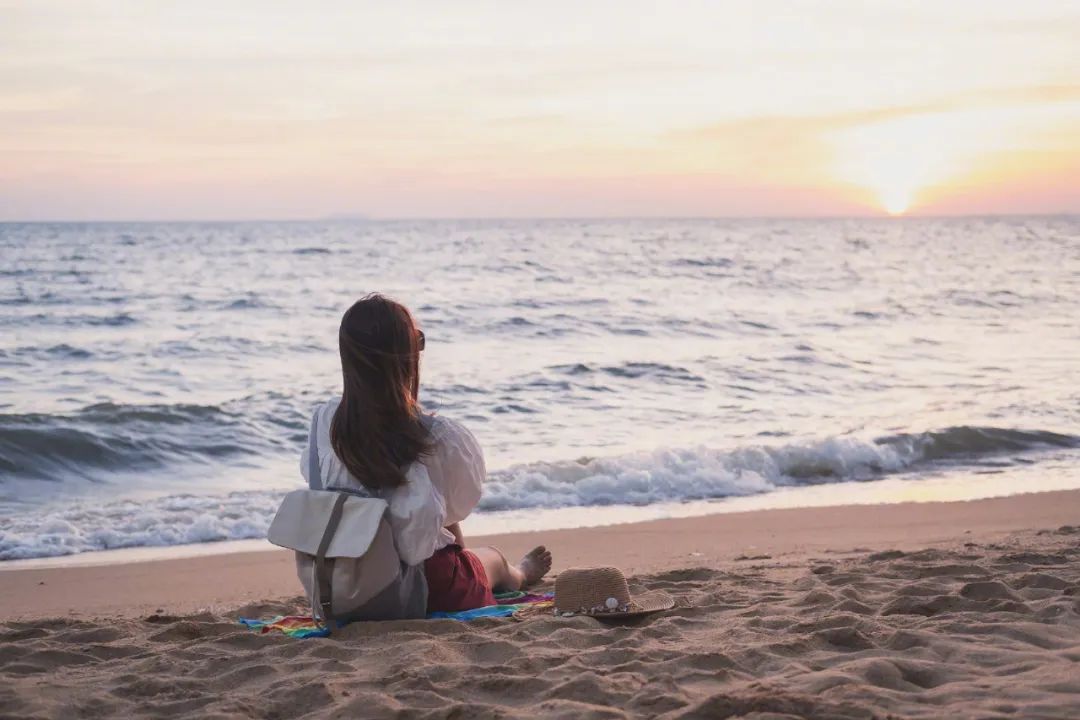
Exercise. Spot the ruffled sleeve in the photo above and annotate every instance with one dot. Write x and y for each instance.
(456, 467)
(417, 516)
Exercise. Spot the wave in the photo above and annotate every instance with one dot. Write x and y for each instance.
(632, 371)
(116, 320)
(68, 320)
(668, 475)
(60, 351)
(704, 262)
(106, 438)
(699, 474)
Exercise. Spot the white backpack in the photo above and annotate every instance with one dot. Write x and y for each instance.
(345, 553)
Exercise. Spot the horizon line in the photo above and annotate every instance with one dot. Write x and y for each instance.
(534, 218)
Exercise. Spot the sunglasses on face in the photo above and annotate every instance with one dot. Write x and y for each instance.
(420, 340)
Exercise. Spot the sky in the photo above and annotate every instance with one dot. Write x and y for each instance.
(271, 110)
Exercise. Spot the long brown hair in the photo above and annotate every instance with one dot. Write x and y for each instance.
(377, 430)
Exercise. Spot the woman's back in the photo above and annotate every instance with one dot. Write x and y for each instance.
(441, 487)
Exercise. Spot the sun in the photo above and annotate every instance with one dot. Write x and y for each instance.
(895, 201)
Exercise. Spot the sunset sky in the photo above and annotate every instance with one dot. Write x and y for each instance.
(246, 110)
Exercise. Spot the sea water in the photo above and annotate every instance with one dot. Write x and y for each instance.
(157, 380)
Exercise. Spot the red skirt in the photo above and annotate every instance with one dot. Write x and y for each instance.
(456, 581)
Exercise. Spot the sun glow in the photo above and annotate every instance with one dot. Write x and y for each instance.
(894, 160)
(915, 160)
(895, 201)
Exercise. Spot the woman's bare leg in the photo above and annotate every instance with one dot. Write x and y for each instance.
(503, 576)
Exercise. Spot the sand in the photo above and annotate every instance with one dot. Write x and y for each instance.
(908, 611)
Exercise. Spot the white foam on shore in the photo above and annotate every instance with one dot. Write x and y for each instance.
(691, 474)
(173, 520)
(1047, 476)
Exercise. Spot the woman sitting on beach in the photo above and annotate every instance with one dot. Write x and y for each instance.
(375, 439)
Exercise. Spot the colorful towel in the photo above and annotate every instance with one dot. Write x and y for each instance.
(506, 604)
(301, 626)
(297, 626)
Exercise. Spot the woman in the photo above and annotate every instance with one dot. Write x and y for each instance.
(376, 440)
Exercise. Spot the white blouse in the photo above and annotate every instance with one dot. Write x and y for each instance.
(440, 489)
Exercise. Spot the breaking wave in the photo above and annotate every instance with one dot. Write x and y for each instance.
(667, 475)
(702, 473)
(106, 438)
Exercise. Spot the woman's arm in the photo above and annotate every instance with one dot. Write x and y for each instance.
(455, 529)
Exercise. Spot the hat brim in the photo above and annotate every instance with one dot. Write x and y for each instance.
(644, 604)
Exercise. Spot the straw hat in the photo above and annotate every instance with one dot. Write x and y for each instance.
(602, 592)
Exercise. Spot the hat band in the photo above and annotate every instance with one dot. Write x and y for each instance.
(598, 610)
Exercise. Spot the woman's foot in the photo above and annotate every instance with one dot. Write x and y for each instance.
(534, 566)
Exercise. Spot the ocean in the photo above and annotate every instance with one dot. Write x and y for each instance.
(157, 379)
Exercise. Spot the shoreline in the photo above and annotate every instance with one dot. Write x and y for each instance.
(217, 581)
(884, 491)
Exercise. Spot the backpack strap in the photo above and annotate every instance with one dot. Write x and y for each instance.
(314, 475)
(324, 571)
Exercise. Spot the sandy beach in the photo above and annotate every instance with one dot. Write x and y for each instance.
(967, 609)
